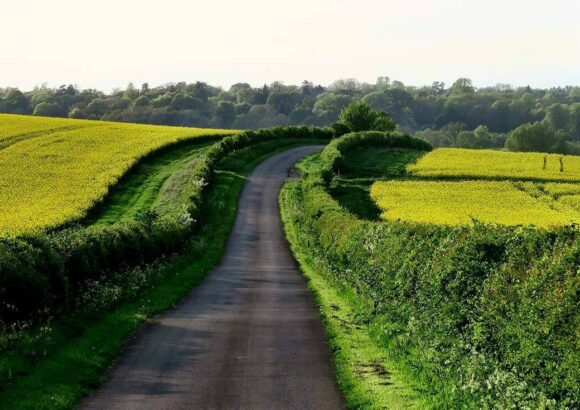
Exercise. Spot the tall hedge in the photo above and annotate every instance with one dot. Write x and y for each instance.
(490, 314)
(42, 273)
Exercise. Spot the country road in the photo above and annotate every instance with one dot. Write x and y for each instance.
(248, 337)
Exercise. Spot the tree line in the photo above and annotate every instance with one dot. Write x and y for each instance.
(461, 115)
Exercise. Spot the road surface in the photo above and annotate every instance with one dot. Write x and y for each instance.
(248, 337)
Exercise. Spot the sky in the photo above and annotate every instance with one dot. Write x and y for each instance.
(108, 43)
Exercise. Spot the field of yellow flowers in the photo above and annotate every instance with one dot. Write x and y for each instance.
(486, 164)
(458, 186)
(53, 171)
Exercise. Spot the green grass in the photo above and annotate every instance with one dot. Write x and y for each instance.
(367, 376)
(377, 162)
(75, 360)
(154, 184)
(365, 165)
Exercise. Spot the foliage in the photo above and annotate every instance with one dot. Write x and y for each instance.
(487, 315)
(416, 109)
(333, 156)
(539, 136)
(358, 116)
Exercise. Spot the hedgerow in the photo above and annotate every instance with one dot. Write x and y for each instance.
(487, 314)
(332, 158)
(41, 274)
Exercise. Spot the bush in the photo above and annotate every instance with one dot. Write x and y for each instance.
(488, 314)
(332, 157)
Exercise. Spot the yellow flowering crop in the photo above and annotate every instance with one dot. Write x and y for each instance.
(466, 163)
(459, 202)
(53, 170)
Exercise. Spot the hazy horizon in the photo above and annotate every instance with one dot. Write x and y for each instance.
(109, 44)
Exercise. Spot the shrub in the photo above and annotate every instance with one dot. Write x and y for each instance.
(488, 314)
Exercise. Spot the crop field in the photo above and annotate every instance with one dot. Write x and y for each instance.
(54, 170)
(458, 203)
(458, 186)
(485, 164)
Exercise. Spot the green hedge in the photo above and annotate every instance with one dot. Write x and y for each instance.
(41, 274)
(332, 158)
(488, 314)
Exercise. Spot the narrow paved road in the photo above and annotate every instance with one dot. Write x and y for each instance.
(248, 337)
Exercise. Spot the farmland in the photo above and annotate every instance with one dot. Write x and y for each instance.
(485, 164)
(52, 171)
(458, 186)
(457, 203)
(442, 313)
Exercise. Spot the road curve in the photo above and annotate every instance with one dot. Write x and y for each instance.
(248, 337)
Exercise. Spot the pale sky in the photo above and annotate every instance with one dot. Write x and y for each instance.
(108, 43)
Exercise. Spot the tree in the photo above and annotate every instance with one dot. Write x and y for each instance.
(575, 121)
(559, 117)
(141, 101)
(299, 115)
(283, 101)
(539, 136)
(438, 87)
(183, 101)
(384, 122)
(131, 92)
(16, 102)
(77, 113)
(163, 100)
(383, 83)
(462, 86)
(329, 105)
(97, 108)
(49, 109)
(379, 101)
(452, 130)
(359, 116)
(225, 113)
(435, 138)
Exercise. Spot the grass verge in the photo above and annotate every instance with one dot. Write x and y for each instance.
(367, 376)
(151, 184)
(77, 364)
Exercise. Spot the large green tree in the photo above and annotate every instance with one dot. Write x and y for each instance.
(539, 136)
(359, 116)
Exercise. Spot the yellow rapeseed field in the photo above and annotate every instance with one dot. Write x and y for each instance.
(54, 170)
(457, 186)
(466, 163)
(460, 202)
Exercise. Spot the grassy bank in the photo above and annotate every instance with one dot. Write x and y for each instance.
(153, 184)
(366, 375)
(54, 367)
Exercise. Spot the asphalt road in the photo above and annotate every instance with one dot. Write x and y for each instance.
(248, 337)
